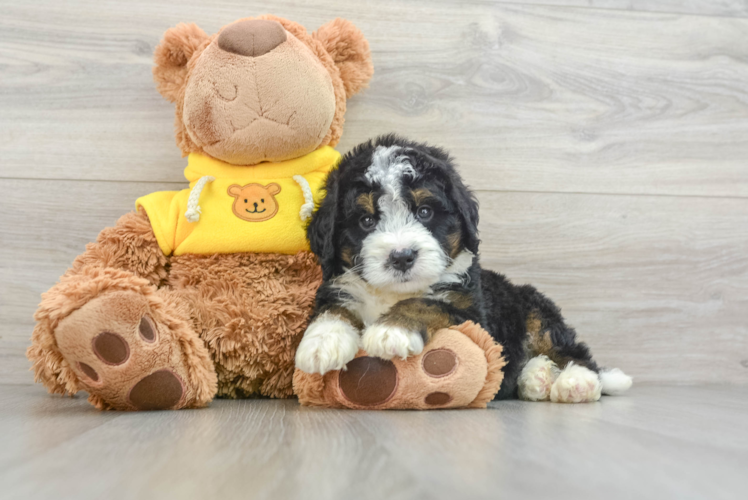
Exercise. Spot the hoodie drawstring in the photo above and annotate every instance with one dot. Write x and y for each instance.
(308, 207)
(193, 209)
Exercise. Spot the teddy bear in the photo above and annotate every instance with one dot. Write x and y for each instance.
(205, 292)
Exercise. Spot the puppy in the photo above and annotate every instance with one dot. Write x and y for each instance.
(397, 239)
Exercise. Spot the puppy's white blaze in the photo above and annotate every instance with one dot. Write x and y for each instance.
(329, 343)
(387, 169)
(615, 382)
(576, 384)
(387, 342)
(537, 378)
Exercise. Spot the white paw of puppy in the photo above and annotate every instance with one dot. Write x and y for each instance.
(537, 378)
(328, 344)
(576, 384)
(389, 341)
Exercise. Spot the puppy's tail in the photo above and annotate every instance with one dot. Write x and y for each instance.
(614, 381)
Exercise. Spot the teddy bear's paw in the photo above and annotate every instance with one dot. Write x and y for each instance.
(576, 384)
(127, 360)
(390, 341)
(537, 378)
(328, 344)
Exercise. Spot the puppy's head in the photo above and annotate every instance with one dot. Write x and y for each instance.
(398, 215)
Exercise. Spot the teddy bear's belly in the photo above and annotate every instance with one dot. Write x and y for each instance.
(251, 311)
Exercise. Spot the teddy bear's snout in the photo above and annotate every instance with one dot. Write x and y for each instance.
(252, 38)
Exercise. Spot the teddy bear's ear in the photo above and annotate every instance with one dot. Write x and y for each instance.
(350, 51)
(172, 56)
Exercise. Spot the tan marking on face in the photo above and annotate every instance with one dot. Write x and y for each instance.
(366, 201)
(453, 243)
(420, 195)
(346, 254)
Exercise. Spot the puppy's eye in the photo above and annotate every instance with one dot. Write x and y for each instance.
(263, 200)
(367, 222)
(245, 201)
(425, 213)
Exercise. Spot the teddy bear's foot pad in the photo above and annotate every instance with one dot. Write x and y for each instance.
(160, 390)
(123, 356)
(368, 381)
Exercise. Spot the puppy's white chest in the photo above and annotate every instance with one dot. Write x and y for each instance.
(370, 307)
(368, 303)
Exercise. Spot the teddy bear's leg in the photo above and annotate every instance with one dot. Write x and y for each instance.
(130, 348)
(105, 325)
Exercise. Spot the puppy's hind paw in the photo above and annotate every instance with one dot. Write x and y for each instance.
(389, 341)
(537, 378)
(576, 384)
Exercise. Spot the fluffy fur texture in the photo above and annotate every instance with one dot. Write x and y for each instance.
(280, 105)
(138, 329)
(397, 239)
(237, 318)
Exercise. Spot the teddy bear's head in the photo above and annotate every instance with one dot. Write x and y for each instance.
(261, 89)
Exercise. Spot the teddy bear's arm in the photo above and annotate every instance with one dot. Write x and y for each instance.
(130, 246)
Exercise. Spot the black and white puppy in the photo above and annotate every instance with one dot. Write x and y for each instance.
(397, 239)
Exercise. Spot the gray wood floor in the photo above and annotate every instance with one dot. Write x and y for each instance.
(657, 443)
(607, 141)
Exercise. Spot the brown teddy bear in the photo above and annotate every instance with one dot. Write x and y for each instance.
(206, 292)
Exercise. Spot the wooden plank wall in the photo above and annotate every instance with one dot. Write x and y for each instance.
(607, 141)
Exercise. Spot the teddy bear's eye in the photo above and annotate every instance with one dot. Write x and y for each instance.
(245, 200)
(262, 200)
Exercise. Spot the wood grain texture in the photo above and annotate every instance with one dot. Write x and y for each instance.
(727, 8)
(657, 285)
(527, 97)
(610, 148)
(658, 442)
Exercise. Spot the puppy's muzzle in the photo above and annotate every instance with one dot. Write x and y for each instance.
(402, 260)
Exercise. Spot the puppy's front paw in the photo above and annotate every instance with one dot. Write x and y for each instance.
(389, 341)
(328, 344)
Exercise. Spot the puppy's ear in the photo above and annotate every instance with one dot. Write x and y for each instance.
(467, 205)
(321, 229)
(173, 54)
(350, 51)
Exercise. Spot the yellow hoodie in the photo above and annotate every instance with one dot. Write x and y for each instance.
(231, 209)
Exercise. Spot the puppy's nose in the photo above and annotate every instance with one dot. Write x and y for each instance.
(255, 204)
(402, 260)
(252, 38)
